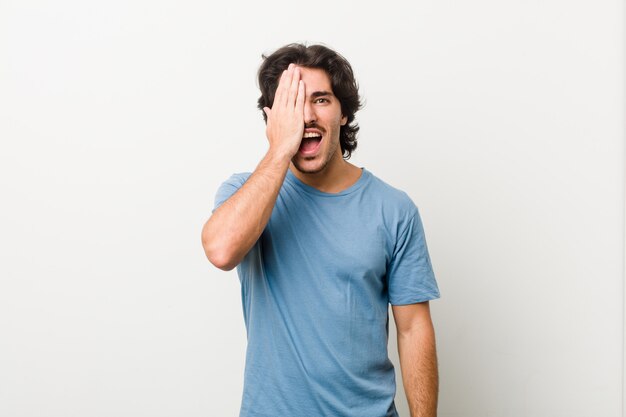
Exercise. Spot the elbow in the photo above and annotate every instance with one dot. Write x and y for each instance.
(221, 260)
(222, 263)
(216, 254)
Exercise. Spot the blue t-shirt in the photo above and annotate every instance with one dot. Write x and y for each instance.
(315, 290)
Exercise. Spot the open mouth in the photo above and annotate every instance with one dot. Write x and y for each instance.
(310, 142)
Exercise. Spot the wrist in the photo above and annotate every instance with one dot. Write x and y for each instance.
(279, 156)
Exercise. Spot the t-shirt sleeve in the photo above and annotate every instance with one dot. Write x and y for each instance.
(228, 188)
(410, 275)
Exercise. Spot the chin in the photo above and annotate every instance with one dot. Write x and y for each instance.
(309, 170)
(315, 164)
(309, 167)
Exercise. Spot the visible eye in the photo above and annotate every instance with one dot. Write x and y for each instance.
(321, 100)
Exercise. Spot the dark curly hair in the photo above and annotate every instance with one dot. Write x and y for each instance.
(342, 80)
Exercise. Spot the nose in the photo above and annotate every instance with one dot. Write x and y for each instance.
(309, 113)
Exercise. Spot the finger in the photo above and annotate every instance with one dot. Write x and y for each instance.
(300, 99)
(267, 111)
(279, 98)
(286, 85)
(293, 88)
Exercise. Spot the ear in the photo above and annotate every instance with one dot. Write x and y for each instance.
(344, 120)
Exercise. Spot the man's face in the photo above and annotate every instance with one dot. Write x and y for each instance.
(322, 122)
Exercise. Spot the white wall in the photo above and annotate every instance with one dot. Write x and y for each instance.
(118, 120)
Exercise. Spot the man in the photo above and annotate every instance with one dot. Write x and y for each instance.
(321, 247)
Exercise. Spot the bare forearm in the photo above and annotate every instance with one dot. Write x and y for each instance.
(237, 224)
(418, 360)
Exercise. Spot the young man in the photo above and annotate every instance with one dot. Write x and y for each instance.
(321, 247)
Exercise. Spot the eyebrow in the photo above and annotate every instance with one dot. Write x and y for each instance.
(321, 94)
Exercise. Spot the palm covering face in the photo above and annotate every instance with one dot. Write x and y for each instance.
(285, 120)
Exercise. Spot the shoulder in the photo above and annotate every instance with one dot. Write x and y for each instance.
(237, 179)
(230, 187)
(392, 198)
(392, 207)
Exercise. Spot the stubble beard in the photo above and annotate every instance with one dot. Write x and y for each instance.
(322, 166)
